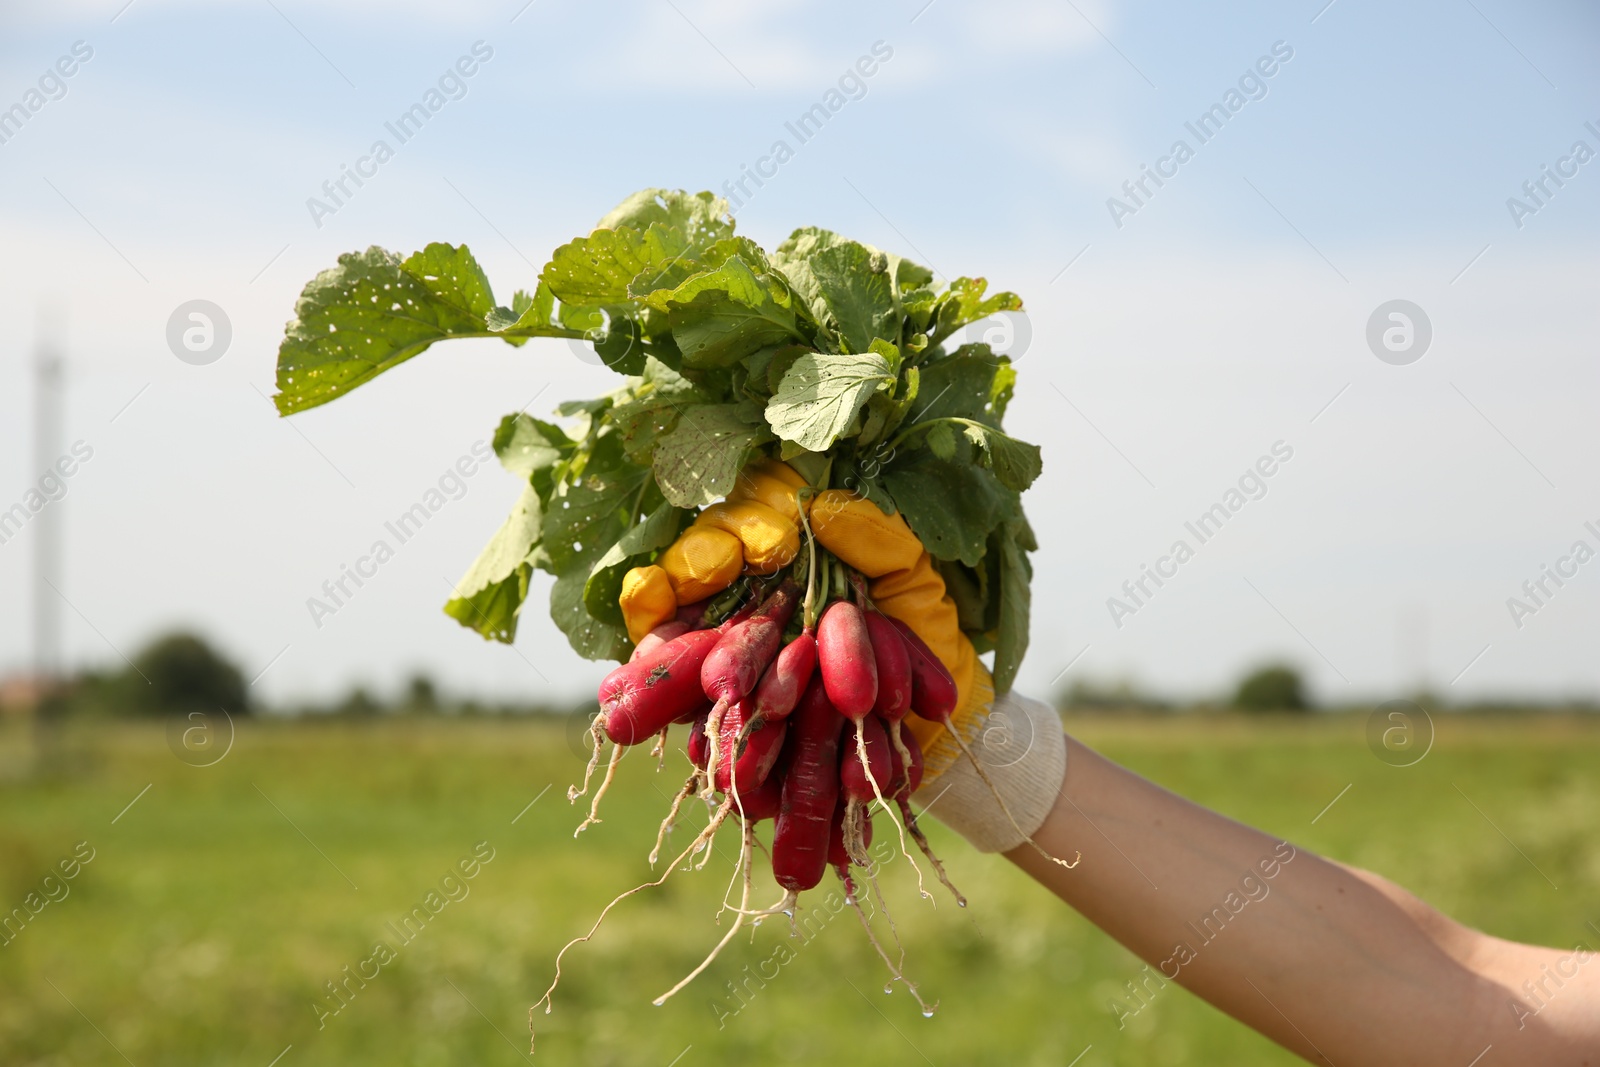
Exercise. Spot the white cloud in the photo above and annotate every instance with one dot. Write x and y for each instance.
(1029, 27)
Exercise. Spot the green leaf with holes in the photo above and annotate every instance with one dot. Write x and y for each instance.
(374, 311)
(699, 461)
(821, 394)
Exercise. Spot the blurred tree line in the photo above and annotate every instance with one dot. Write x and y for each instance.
(181, 672)
(1273, 687)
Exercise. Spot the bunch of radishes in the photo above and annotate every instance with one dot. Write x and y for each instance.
(795, 710)
(778, 712)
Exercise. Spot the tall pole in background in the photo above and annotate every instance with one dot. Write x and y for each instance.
(47, 524)
(48, 384)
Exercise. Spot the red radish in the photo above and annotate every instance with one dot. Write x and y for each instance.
(732, 669)
(697, 747)
(693, 614)
(850, 671)
(933, 691)
(870, 750)
(844, 653)
(838, 858)
(763, 802)
(853, 776)
(639, 698)
(893, 660)
(755, 759)
(658, 637)
(693, 714)
(810, 790)
(904, 780)
(786, 679)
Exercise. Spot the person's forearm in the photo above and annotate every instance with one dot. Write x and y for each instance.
(1335, 964)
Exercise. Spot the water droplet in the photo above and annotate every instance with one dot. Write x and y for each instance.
(850, 900)
(547, 1008)
(961, 903)
(888, 987)
(927, 1013)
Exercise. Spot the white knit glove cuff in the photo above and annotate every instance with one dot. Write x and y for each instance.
(1024, 751)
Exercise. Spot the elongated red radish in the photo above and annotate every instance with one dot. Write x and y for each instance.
(732, 668)
(934, 697)
(697, 748)
(892, 658)
(933, 690)
(641, 697)
(786, 679)
(762, 802)
(846, 662)
(755, 760)
(853, 780)
(844, 654)
(810, 790)
(906, 775)
(658, 637)
(735, 665)
(693, 614)
(692, 714)
(863, 775)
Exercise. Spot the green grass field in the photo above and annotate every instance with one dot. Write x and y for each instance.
(217, 906)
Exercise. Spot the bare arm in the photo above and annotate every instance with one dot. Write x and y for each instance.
(1334, 963)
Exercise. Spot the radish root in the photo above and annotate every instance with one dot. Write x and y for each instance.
(740, 866)
(596, 740)
(783, 907)
(714, 741)
(672, 816)
(605, 784)
(861, 754)
(855, 832)
(978, 766)
(883, 906)
(704, 836)
(927, 850)
(744, 904)
(898, 974)
(660, 751)
(910, 818)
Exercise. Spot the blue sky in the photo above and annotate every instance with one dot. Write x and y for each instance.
(1221, 317)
